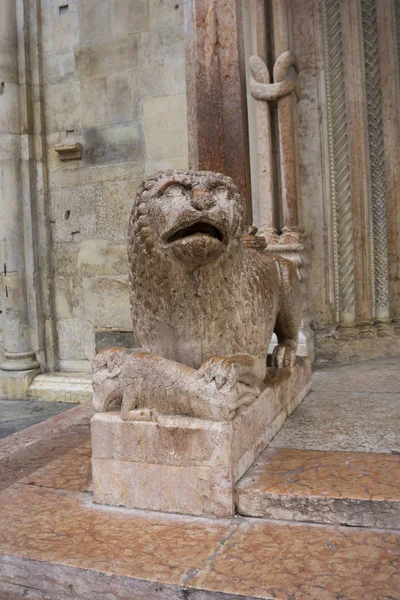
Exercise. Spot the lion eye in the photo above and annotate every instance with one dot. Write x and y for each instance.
(220, 192)
(175, 190)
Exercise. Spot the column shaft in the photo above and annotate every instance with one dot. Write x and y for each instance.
(18, 353)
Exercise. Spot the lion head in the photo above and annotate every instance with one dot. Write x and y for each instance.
(190, 216)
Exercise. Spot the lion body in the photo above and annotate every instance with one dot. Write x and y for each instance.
(185, 314)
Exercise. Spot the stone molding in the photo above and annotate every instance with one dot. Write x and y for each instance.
(69, 151)
(339, 162)
(376, 154)
(396, 35)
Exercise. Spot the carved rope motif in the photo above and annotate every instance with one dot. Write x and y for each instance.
(396, 4)
(376, 149)
(339, 160)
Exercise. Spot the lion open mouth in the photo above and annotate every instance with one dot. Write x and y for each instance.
(196, 229)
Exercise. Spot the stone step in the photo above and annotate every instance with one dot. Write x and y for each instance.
(75, 388)
(343, 488)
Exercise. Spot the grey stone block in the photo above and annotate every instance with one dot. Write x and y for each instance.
(75, 339)
(116, 144)
(95, 20)
(113, 208)
(74, 210)
(106, 302)
(59, 67)
(129, 17)
(110, 56)
(165, 13)
(63, 107)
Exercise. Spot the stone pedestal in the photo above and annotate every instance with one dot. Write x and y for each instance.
(186, 465)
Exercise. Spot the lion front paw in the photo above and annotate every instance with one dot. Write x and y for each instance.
(284, 355)
(222, 370)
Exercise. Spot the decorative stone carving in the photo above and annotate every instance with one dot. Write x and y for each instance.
(285, 78)
(204, 306)
(376, 144)
(339, 162)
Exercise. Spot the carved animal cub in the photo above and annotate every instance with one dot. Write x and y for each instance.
(204, 306)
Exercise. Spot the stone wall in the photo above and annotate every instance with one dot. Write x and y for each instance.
(114, 81)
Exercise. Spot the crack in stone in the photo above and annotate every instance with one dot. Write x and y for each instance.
(210, 560)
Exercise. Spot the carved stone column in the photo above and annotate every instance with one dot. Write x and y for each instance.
(281, 89)
(18, 355)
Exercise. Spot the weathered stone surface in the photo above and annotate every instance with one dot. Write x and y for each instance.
(63, 297)
(62, 387)
(152, 166)
(56, 543)
(116, 144)
(70, 471)
(109, 56)
(18, 415)
(114, 202)
(95, 20)
(30, 449)
(349, 488)
(187, 227)
(166, 43)
(183, 454)
(75, 339)
(129, 17)
(59, 67)
(167, 78)
(352, 408)
(91, 64)
(74, 210)
(100, 258)
(166, 13)
(112, 338)
(106, 300)
(112, 99)
(162, 120)
(60, 32)
(164, 488)
(216, 91)
(15, 385)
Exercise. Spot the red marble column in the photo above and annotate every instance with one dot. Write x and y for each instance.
(216, 92)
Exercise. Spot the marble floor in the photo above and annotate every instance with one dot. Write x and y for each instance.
(56, 544)
(352, 407)
(19, 414)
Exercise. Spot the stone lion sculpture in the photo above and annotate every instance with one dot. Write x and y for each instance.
(203, 306)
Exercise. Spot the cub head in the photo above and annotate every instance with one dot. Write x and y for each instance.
(191, 216)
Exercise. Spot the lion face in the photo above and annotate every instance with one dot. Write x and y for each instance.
(196, 216)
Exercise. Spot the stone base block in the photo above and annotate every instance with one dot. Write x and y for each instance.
(75, 388)
(186, 465)
(14, 385)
